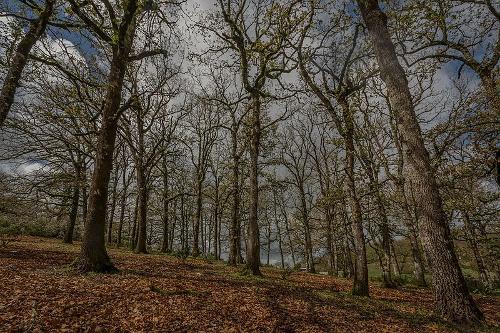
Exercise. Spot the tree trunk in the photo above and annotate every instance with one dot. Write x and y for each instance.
(278, 230)
(197, 216)
(453, 300)
(133, 238)
(253, 241)
(307, 230)
(142, 209)
(165, 217)
(113, 206)
(360, 282)
(216, 221)
(235, 208)
(123, 202)
(93, 255)
(75, 199)
(472, 240)
(20, 58)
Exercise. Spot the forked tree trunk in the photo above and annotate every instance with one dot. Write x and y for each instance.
(453, 300)
(18, 62)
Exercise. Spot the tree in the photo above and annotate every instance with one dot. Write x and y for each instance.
(20, 58)
(119, 37)
(453, 300)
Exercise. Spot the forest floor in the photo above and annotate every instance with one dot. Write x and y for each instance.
(161, 293)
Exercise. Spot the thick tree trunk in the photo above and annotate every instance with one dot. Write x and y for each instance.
(253, 241)
(93, 255)
(20, 58)
(453, 300)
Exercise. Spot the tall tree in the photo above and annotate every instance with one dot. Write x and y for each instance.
(453, 300)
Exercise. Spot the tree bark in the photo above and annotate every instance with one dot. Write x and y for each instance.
(453, 300)
(20, 58)
(235, 208)
(93, 255)
(360, 282)
(472, 240)
(75, 199)
(197, 216)
(111, 216)
(165, 217)
(307, 230)
(253, 241)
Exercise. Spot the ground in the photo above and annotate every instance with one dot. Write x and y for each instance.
(161, 293)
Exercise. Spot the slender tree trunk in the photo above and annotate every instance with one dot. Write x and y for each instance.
(393, 260)
(235, 208)
(133, 238)
(472, 240)
(123, 202)
(85, 196)
(453, 300)
(278, 231)
(307, 230)
(20, 58)
(216, 222)
(75, 199)
(197, 216)
(111, 216)
(165, 217)
(360, 282)
(329, 242)
(386, 241)
(253, 241)
(141, 246)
